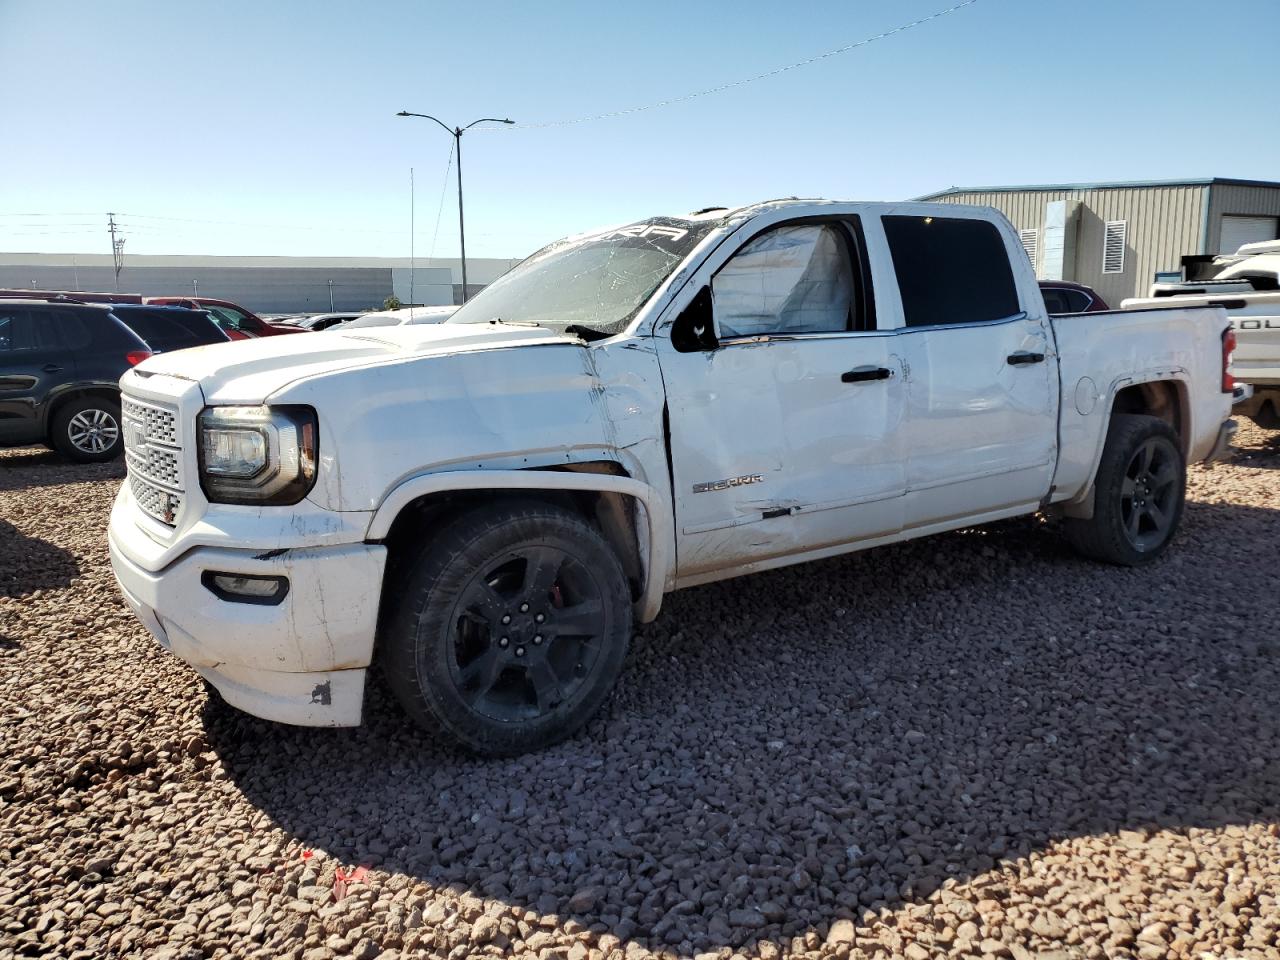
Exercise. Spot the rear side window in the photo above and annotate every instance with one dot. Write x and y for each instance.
(171, 330)
(1055, 301)
(64, 330)
(42, 329)
(1077, 300)
(16, 331)
(950, 270)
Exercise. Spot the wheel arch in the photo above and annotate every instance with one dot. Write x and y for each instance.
(72, 393)
(600, 490)
(1162, 395)
(1167, 399)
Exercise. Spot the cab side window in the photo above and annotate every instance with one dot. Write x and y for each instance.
(793, 279)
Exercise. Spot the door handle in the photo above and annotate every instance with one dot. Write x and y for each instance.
(51, 368)
(865, 374)
(1022, 357)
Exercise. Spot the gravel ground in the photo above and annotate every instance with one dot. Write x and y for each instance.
(975, 744)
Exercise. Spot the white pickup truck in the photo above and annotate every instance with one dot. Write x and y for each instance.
(483, 507)
(1247, 287)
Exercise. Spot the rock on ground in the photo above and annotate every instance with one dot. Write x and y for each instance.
(976, 744)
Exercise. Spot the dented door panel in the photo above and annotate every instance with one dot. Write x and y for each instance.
(773, 453)
(981, 432)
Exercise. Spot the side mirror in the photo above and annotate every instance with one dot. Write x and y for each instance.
(693, 329)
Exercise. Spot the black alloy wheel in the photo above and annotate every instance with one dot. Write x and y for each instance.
(1149, 494)
(526, 633)
(509, 629)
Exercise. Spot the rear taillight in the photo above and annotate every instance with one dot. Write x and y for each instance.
(135, 357)
(1228, 348)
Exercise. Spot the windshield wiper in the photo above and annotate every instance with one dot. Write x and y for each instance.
(586, 333)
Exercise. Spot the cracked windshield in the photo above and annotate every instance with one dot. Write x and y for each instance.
(595, 284)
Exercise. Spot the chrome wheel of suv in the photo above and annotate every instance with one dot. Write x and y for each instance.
(87, 430)
(93, 431)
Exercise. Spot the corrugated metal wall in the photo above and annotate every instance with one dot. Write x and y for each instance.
(1165, 223)
(1228, 199)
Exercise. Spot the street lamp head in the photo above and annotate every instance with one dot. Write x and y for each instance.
(512, 122)
(404, 113)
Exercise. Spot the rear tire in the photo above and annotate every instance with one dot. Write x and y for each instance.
(88, 430)
(1139, 493)
(511, 628)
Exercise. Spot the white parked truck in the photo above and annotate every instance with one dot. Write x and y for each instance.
(484, 507)
(1247, 287)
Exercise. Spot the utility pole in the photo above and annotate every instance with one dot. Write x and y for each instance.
(462, 230)
(117, 248)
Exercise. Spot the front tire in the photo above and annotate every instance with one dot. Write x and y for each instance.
(1139, 493)
(511, 628)
(88, 430)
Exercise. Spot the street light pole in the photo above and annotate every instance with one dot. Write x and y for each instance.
(456, 133)
(462, 231)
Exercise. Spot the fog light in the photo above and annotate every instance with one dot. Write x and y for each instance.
(245, 588)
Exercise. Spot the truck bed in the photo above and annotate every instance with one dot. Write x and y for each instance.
(1102, 353)
(1256, 318)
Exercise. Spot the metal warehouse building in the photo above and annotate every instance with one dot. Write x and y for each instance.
(263, 284)
(1116, 237)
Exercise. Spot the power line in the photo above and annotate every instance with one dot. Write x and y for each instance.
(759, 76)
(444, 185)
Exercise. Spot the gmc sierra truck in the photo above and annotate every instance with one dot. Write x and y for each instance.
(1247, 286)
(484, 507)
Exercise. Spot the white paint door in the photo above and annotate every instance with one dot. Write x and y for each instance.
(785, 437)
(981, 427)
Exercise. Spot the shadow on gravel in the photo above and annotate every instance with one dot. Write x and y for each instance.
(37, 467)
(831, 739)
(28, 564)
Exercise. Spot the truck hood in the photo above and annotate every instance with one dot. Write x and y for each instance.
(250, 371)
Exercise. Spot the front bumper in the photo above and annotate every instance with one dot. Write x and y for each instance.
(1222, 447)
(302, 660)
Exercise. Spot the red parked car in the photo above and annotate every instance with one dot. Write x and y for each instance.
(1063, 296)
(238, 322)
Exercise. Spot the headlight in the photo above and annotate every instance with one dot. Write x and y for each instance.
(258, 455)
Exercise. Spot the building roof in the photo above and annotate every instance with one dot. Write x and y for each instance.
(1116, 185)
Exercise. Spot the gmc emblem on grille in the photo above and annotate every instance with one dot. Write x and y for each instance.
(135, 433)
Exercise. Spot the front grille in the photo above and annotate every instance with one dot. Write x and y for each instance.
(162, 504)
(156, 464)
(153, 455)
(161, 425)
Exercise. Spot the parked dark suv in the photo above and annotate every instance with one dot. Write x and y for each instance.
(165, 329)
(60, 367)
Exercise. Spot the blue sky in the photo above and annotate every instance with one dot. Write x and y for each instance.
(269, 128)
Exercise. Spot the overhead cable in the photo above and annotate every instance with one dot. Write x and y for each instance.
(759, 76)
